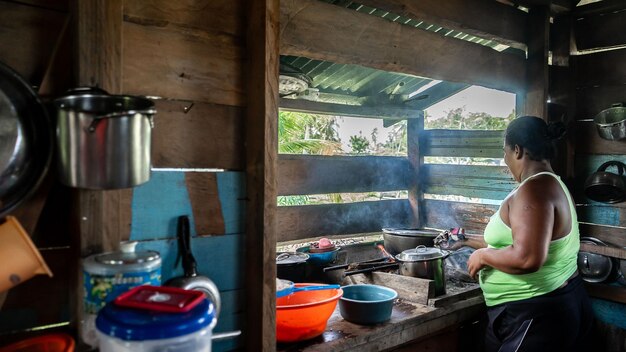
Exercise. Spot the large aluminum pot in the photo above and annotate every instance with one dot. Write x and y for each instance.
(397, 240)
(611, 123)
(426, 263)
(25, 140)
(103, 140)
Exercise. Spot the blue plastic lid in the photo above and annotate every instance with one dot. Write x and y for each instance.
(138, 325)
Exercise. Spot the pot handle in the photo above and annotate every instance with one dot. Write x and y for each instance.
(150, 112)
(619, 164)
(87, 90)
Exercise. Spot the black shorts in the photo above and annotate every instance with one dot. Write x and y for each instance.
(561, 320)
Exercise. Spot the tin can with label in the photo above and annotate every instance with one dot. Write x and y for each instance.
(107, 275)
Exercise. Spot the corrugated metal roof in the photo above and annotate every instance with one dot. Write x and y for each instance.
(354, 80)
(414, 22)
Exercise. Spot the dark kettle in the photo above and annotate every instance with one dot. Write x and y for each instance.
(606, 187)
(191, 280)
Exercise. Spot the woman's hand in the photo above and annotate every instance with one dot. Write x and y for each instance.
(475, 263)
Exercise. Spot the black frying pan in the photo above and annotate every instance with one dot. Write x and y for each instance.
(25, 140)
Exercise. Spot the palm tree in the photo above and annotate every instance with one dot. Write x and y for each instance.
(300, 133)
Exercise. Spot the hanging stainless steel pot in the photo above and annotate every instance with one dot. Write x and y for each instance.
(103, 140)
(611, 123)
(25, 140)
(607, 187)
(426, 263)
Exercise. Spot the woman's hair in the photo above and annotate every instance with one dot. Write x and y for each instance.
(535, 136)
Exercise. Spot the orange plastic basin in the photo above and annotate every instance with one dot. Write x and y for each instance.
(303, 315)
(44, 343)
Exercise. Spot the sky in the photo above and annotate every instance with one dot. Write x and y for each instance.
(475, 99)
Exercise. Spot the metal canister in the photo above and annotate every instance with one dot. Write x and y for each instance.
(107, 275)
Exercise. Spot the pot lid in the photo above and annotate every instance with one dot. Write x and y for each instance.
(127, 256)
(420, 253)
(130, 324)
(410, 232)
(594, 267)
(291, 258)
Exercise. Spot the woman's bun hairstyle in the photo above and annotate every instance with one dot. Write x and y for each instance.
(535, 136)
(556, 130)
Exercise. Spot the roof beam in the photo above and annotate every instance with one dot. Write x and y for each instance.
(377, 112)
(506, 24)
(318, 30)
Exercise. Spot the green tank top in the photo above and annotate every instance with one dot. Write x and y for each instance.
(499, 287)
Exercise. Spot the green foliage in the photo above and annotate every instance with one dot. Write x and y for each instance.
(300, 133)
(460, 119)
(359, 144)
(292, 200)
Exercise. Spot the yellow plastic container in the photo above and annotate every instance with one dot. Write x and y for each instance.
(19, 258)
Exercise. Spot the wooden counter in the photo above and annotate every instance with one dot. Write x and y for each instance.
(410, 321)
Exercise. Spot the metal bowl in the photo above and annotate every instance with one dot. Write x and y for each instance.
(25, 140)
(611, 123)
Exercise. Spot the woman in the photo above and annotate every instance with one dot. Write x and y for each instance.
(527, 259)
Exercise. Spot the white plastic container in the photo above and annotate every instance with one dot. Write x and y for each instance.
(134, 330)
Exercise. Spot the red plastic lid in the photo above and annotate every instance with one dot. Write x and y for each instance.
(160, 299)
(44, 343)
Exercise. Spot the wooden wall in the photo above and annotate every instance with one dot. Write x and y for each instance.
(598, 79)
(193, 56)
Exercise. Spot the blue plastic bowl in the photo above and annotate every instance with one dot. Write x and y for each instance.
(366, 304)
(319, 259)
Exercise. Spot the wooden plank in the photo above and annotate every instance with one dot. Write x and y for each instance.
(596, 8)
(375, 42)
(261, 173)
(600, 69)
(483, 144)
(536, 99)
(225, 16)
(446, 214)
(593, 144)
(608, 234)
(506, 23)
(409, 288)
(100, 217)
(497, 173)
(601, 30)
(191, 64)
(204, 199)
(315, 174)
(157, 204)
(449, 298)
(592, 100)
(610, 293)
(377, 112)
(58, 5)
(197, 135)
(492, 182)
(476, 192)
(606, 251)
(320, 220)
(602, 214)
(27, 38)
(415, 129)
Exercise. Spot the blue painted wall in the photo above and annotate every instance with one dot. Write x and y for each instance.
(156, 207)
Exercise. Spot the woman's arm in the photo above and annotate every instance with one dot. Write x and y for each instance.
(531, 215)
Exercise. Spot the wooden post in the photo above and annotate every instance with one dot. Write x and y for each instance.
(415, 129)
(537, 64)
(261, 138)
(102, 218)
